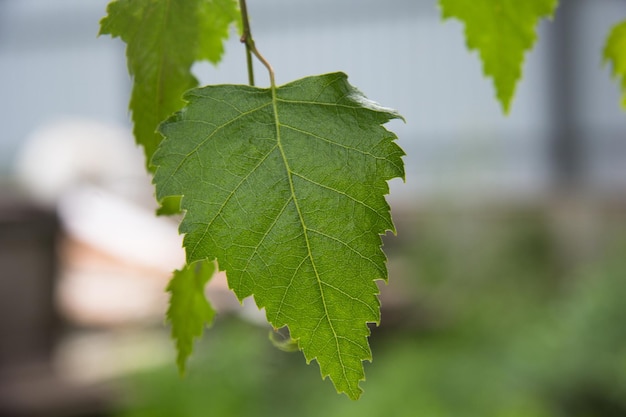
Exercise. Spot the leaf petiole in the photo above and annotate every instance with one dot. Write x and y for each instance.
(247, 39)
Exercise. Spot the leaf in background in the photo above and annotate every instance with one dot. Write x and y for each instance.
(502, 31)
(169, 206)
(286, 189)
(164, 38)
(215, 17)
(615, 52)
(189, 311)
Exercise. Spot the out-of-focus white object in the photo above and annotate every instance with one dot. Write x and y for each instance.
(120, 254)
(95, 175)
(120, 228)
(68, 153)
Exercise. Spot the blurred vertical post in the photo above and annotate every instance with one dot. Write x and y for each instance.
(566, 141)
(574, 215)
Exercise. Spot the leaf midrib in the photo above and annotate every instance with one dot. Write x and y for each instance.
(306, 235)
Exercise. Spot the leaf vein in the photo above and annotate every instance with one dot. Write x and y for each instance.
(226, 200)
(342, 193)
(217, 129)
(306, 237)
(341, 145)
(349, 247)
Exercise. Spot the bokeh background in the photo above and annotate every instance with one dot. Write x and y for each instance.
(507, 277)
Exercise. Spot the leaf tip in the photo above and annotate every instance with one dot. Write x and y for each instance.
(181, 364)
(189, 311)
(505, 103)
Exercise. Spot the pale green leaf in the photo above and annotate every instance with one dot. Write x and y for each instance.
(502, 31)
(215, 17)
(615, 52)
(169, 206)
(189, 311)
(286, 189)
(164, 38)
(282, 342)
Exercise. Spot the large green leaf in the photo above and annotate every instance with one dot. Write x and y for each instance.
(285, 187)
(502, 31)
(164, 38)
(189, 311)
(615, 52)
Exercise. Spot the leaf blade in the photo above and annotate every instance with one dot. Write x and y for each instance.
(286, 189)
(502, 31)
(615, 53)
(164, 38)
(189, 311)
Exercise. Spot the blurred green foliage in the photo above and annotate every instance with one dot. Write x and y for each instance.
(497, 327)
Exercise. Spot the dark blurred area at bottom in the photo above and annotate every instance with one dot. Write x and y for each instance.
(30, 326)
(491, 310)
(499, 311)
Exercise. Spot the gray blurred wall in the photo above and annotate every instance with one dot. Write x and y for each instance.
(397, 52)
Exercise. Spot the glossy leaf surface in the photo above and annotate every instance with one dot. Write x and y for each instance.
(286, 189)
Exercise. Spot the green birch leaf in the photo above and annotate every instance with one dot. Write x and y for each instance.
(502, 31)
(215, 17)
(615, 53)
(189, 311)
(164, 38)
(285, 187)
